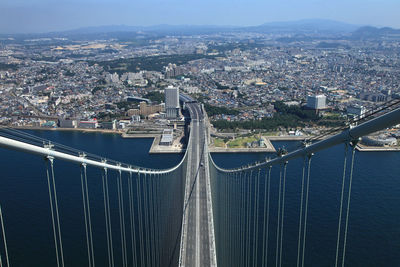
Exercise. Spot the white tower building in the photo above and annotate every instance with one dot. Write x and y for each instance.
(172, 102)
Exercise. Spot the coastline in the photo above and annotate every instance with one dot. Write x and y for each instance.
(156, 149)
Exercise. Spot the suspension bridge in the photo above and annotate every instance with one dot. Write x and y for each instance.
(196, 213)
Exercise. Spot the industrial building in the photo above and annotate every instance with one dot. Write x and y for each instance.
(381, 141)
(167, 137)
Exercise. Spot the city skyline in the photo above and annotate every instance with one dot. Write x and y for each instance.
(39, 16)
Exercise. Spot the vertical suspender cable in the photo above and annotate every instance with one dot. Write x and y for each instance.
(156, 219)
(283, 211)
(57, 213)
(140, 218)
(89, 218)
(242, 218)
(160, 219)
(348, 202)
(132, 219)
(106, 217)
(341, 203)
(152, 220)
(301, 212)
(146, 207)
(306, 208)
(248, 218)
(83, 170)
(278, 220)
(54, 214)
(235, 220)
(255, 218)
(228, 219)
(107, 195)
(267, 186)
(121, 218)
(4, 239)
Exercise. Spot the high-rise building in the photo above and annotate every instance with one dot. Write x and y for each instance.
(316, 102)
(172, 102)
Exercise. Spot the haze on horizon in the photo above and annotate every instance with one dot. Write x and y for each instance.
(35, 16)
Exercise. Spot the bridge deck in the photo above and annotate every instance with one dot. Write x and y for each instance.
(197, 240)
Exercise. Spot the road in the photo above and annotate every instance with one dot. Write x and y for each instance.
(197, 245)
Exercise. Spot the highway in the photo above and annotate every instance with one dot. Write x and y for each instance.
(197, 244)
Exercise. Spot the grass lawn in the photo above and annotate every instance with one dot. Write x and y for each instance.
(219, 143)
(241, 142)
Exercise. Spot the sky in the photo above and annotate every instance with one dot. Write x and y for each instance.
(35, 16)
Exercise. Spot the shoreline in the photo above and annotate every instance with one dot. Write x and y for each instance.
(166, 150)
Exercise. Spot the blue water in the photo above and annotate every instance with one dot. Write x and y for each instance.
(374, 228)
(25, 201)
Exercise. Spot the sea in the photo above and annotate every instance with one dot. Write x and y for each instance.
(374, 218)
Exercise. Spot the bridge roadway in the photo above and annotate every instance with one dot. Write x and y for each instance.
(197, 243)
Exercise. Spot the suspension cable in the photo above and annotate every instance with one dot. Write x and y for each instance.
(140, 217)
(152, 221)
(121, 218)
(341, 204)
(301, 212)
(242, 217)
(146, 217)
(89, 218)
(266, 215)
(256, 192)
(83, 172)
(278, 219)
(4, 239)
(108, 217)
(306, 208)
(132, 219)
(348, 202)
(248, 217)
(283, 211)
(54, 210)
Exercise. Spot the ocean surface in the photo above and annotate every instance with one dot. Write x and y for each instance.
(374, 226)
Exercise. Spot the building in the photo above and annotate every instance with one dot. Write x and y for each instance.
(172, 71)
(110, 125)
(167, 137)
(172, 102)
(356, 111)
(382, 141)
(135, 119)
(88, 124)
(146, 110)
(62, 123)
(316, 102)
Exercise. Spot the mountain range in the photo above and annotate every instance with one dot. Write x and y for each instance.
(294, 28)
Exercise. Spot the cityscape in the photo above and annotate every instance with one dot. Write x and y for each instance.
(241, 76)
(199, 134)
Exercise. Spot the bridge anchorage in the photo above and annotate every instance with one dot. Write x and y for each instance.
(196, 213)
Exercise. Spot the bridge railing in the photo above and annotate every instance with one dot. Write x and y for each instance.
(244, 201)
